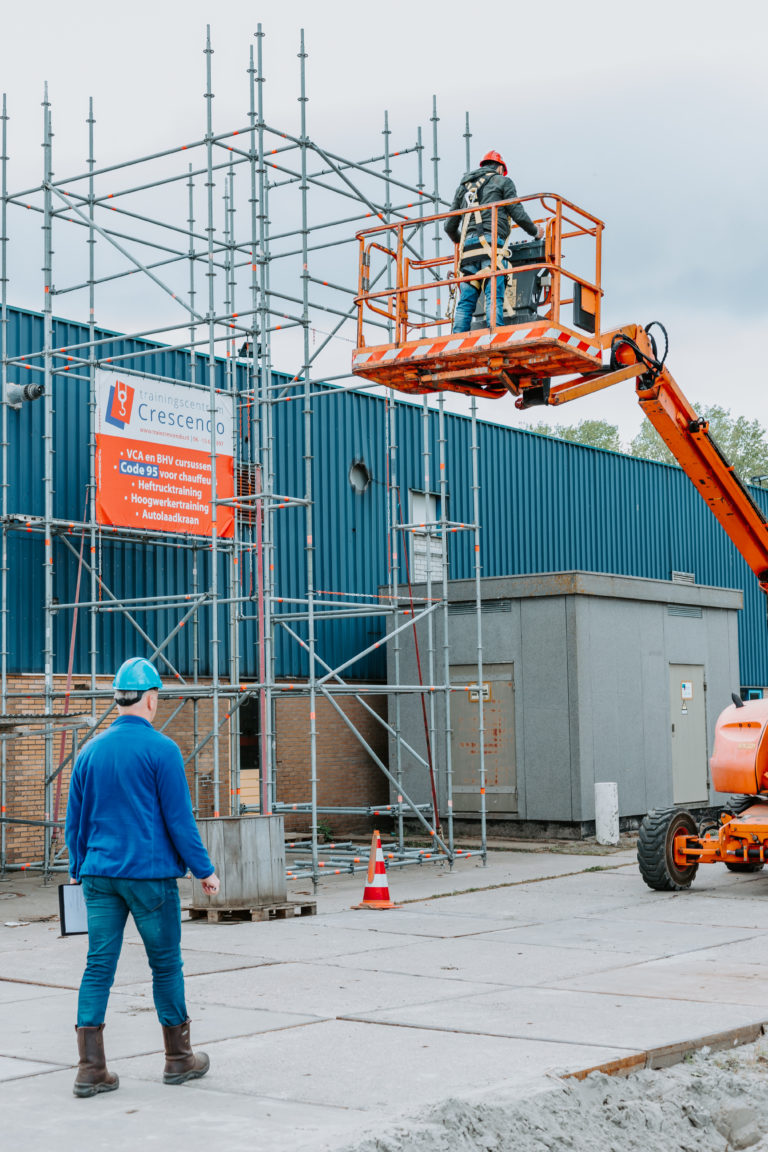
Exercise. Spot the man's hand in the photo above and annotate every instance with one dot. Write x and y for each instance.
(539, 232)
(211, 884)
(72, 880)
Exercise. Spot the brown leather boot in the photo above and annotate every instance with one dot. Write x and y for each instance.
(181, 1063)
(92, 1075)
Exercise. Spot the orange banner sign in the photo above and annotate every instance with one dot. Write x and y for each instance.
(153, 456)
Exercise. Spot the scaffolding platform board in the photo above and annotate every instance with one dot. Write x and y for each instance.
(479, 360)
(283, 911)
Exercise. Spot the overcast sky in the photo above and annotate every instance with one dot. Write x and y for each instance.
(652, 116)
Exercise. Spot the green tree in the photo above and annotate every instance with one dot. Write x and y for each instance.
(595, 433)
(742, 441)
(650, 445)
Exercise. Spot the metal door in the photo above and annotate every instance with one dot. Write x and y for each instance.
(689, 734)
(499, 724)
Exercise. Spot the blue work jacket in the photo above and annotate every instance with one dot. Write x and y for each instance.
(129, 811)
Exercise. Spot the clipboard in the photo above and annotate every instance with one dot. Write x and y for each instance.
(72, 911)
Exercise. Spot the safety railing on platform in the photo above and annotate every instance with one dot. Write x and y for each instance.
(563, 277)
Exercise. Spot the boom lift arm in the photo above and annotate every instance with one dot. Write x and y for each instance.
(534, 352)
(634, 354)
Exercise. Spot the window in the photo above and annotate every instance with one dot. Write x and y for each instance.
(426, 549)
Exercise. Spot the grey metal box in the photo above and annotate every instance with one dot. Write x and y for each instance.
(605, 679)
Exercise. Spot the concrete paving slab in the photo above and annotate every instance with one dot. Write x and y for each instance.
(30, 1032)
(734, 887)
(716, 977)
(61, 962)
(693, 907)
(643, 938)
(487, 961)
(11, 1068)
(338, 892)
(423, 920)
(573, 1017)
(289, 940)
(40, 1113)
(343, 1063)
(302, 987)
(26, 936)
(751, 951)
(13, 991)
(548, 899)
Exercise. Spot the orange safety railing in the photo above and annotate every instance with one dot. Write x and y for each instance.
(400, 241)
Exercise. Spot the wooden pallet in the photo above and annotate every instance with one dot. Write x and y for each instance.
(284, 911)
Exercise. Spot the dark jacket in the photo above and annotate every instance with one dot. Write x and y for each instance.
(495, 187)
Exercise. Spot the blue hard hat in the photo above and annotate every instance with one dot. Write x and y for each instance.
(136, 675)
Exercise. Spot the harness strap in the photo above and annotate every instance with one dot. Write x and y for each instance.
(472, 198)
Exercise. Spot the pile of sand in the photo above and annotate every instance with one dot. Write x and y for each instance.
(712, 1101)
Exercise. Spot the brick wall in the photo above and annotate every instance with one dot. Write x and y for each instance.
(25, 793)
(346, 774)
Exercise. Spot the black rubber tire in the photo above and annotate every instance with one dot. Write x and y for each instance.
(654, 849)
(738, 804)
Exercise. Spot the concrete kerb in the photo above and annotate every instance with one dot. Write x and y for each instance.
(671, 1054)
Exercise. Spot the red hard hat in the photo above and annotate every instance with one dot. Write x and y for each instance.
(493, 158)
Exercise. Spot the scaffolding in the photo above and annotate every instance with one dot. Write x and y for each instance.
(247, 237)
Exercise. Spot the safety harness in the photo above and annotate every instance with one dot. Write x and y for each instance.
(471, 200)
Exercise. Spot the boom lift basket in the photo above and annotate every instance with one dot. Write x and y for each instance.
(533, 339)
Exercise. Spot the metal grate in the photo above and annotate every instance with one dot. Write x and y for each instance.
(464, 609)
(691, 610)
(683, 577)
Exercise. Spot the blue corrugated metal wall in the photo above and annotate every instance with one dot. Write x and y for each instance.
(546, 506)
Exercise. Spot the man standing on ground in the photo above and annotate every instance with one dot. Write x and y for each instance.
(130, 833)
(473, 232)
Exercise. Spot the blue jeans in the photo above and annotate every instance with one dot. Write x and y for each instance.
(468, 294)
(156, 910)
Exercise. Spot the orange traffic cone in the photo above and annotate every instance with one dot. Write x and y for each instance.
(376, 892)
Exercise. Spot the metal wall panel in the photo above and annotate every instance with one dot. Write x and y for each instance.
(546, 506)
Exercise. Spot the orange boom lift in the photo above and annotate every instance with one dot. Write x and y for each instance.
(546, 348)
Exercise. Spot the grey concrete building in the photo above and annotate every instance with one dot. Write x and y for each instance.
(586, 678)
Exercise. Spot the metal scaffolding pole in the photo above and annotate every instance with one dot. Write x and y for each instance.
(447, 724)
(48, 452)
(265, 475)
(233, 557)
(93, 575)
(309, 551)
(475, 452)
(214, 574)
(231, 594)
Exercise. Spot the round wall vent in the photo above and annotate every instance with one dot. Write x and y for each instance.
(359, 476)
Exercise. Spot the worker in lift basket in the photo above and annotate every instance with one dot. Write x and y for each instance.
(473, 233)
(130, 833)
